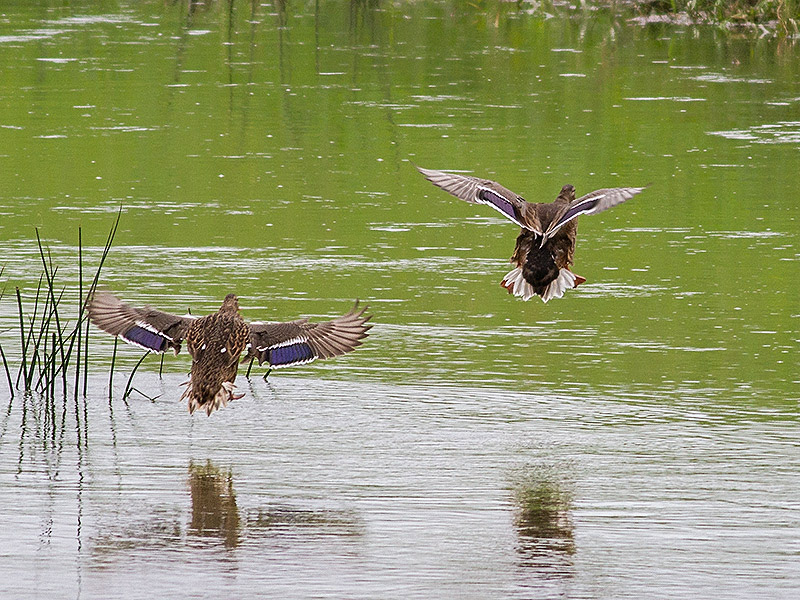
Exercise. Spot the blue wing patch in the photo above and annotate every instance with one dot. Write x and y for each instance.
(291, 354)
(145, 338)
(499, 203)
(579, 209)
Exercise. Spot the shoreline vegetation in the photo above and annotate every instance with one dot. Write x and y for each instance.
(781, 17)
(763, 17)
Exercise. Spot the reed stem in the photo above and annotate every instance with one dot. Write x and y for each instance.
(47, 342)
(49, 274)
(8, 373)
(77, 329)
(24, 366)
(130, 379)
(111, 371)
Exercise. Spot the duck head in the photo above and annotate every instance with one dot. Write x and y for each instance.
(231, 303)
(567, 193)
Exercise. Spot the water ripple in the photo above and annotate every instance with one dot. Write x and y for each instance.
(783, 132)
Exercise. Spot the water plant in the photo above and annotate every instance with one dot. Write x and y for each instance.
(782, 16)
(54, 348)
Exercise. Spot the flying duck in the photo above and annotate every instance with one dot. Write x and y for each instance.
(216, 341)
(546, 243)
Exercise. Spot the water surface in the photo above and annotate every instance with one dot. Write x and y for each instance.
(636, 438)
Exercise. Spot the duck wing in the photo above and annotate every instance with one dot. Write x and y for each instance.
(299, 342)
(590, 204)
(146, 327)
(481, 191)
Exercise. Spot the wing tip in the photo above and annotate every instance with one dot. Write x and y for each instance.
(357, 314)
(428, 174)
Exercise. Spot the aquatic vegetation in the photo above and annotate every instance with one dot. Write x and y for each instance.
(54, 344)
(765, 16)
(781, 15)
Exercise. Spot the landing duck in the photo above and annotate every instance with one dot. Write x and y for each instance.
(546, 244)
(217, 341)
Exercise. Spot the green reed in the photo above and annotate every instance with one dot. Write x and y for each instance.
(129, 386)
(54, 348)
(3, 354)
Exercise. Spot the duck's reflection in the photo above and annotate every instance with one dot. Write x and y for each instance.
(214, 510)
(543, 520)
(217, 520)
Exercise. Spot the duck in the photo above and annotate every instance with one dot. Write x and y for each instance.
(545, 246)
(216, 342)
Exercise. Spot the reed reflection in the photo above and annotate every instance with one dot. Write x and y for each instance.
(543, 520)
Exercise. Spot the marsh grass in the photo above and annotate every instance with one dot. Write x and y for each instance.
(54, 348)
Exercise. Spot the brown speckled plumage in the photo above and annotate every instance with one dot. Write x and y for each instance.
(545, 247)
(217, 341)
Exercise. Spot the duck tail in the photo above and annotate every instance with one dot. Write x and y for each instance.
(566, 280)
(220, 399)
(516, 284)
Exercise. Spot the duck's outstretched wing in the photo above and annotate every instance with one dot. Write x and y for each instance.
(481, 191)
(144, 327)
(590, 204)
(298, 342)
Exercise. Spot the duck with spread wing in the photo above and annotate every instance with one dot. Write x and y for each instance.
(546, 244)
(217, 341)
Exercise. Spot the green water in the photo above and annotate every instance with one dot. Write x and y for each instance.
(268, 150)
